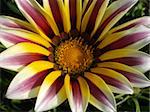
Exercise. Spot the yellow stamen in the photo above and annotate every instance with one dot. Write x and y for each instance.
(73, 56)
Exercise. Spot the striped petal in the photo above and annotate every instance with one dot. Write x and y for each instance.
(88, 7)
(14, 23)
(33, 13)
(26, 83)
(136, 78)
(93, 14)
(135, 38)
(101, 96)
(9, 37)
(137, 59)
(52, 92)
(55, 8)
(112, 15)
(78, 93)
(116, 81)
(73, 9)
(19, 55)
(130, 24)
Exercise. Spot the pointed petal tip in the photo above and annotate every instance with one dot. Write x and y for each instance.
(129, 91)
(112, 108)
(38, 108)
(15, 96)
(10, 95)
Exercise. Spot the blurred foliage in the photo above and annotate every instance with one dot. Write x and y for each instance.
(140, 101)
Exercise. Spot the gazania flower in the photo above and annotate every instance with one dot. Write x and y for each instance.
(68, 50)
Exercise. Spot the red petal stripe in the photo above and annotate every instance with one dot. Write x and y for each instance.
(23, 59)
(76, 92)
(93, 16)
(97, 93)
(38, 18)
(131, 61)
(73, 13)
(111, 81)
(126, 40)
(56, 14)
(87, 6)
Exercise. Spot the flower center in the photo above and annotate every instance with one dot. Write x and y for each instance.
(73, 56)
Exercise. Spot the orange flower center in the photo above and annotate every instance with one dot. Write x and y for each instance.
(73, 56)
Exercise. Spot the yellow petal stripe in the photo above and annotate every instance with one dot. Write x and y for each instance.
(85, 92)
(119, 53)
(11, 22)
(100, 16)
(24, 47)
(87, 16)
(67, 22)
(69, 92)
(79, 13)
(24, 35)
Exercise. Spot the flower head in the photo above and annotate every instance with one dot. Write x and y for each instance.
(69, 50)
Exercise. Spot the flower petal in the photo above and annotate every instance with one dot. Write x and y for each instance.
(78, 93)
(101, 96)
(95, 14)
(73, 10)
(137, 59)
(136, 78)
(14, 23)
(130, 24)
(88, 8)
(55, 9)
(22, 54)
(134, 38)
(116, 81)
(11, 37)
(52, 92)
(113, 13)
(26, 83)
(34, 12)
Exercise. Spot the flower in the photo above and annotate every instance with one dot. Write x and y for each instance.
(69, 50)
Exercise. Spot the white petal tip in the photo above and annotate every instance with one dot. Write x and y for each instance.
(8, 97)
(11, 96)
(38, 109)
(130, 91)
(112, 109)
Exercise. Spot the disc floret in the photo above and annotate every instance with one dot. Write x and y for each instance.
(73, 56)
